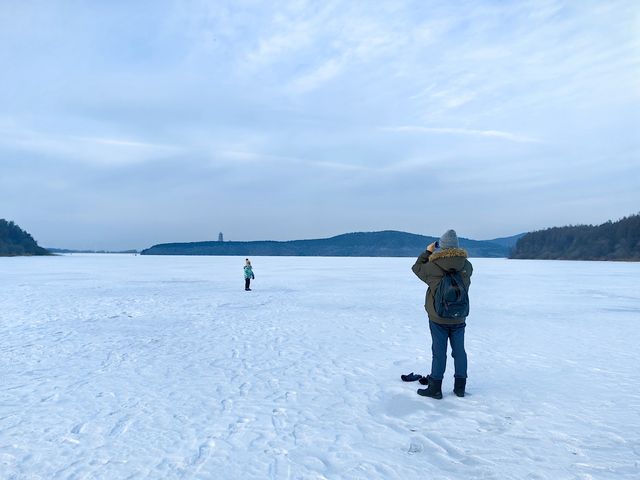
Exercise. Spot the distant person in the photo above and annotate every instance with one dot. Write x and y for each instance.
(447, 309)
(248, 274)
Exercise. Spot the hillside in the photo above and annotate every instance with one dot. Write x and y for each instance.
(618, 240)
(508, 242)
(361, 244)
(15, 242)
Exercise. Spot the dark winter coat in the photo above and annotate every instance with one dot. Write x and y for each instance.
(428, 268)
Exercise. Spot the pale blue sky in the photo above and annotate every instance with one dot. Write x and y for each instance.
(124, 124)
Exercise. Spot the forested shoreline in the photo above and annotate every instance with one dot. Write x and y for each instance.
(16, 242)
(619, 240)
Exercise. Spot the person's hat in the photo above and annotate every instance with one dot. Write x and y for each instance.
(449, 239)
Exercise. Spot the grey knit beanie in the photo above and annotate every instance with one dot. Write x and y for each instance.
(449, 239)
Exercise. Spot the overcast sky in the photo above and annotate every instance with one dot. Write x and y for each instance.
(125, 124)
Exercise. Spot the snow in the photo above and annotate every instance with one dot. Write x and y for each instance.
(140, 367)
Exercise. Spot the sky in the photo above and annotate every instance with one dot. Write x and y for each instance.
(127, 124)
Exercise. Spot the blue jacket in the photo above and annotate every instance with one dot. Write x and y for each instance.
(248, 272)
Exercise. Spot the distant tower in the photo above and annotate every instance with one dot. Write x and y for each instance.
(220, 237)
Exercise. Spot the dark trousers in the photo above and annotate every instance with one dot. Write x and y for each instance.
(439, 336)
(247, 281)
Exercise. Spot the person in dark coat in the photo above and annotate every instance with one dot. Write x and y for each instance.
(430, 268)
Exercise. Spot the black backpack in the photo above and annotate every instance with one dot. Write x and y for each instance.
(451, 298)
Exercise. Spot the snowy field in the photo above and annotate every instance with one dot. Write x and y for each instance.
(134, 367)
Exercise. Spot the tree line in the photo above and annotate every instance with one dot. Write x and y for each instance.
(618, 240)
(14, 241)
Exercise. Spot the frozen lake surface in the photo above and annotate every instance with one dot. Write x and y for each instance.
(134, 367)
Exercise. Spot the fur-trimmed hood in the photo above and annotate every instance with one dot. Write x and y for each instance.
(448, 253)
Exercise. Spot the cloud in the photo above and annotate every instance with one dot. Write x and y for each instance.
(512, 137)
(277, 47)
(328, 107)
(91, 150)
(249, 157)
(316, 77)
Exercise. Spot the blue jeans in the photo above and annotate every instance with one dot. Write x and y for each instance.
(455, 335)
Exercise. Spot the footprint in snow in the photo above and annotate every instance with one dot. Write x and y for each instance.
(203, 453)
(120, 427)
(280, 467)
(279, 421)
(415, 446)
(78, 428)
(244, 389)
(291, 396)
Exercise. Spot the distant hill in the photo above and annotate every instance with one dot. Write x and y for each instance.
(387, 243)
(508, 242)
(610, 241)
(15, 242)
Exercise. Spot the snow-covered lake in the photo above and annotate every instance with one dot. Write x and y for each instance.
(134, 367)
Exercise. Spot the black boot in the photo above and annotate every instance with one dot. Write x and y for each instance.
(424, 380)
(434, 390)
(458, 387)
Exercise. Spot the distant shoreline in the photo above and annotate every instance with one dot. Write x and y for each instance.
(387, 243)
